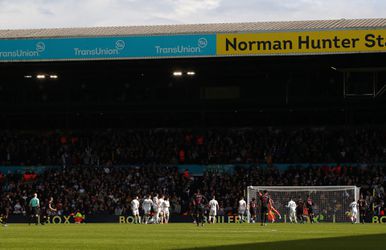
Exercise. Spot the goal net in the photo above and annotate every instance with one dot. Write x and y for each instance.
(331, 203)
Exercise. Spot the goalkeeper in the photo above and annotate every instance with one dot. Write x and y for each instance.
(272, 211)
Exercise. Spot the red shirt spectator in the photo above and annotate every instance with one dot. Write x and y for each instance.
(200, 140)
(182, 156)
(29, 176)
(186, 174)
(63, 140)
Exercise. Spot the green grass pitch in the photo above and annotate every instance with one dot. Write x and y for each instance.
(189, 236)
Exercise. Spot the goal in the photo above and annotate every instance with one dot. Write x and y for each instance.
(331, 203)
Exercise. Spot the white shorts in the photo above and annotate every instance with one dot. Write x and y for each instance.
(354, 213)
(213, 212)
(135, 212)
(166, 212)
(159, 211)
(146, 211)
(241, 212)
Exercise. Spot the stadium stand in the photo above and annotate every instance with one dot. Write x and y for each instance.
(92, 177)
(206, 146)
(93, 132)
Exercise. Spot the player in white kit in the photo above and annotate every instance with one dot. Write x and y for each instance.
(242, 209)
(292, 211)
(213, 205)
(159, 211)
(146, 206)
(165, 205)
(135, 209)
(354, 211)
(155, 208)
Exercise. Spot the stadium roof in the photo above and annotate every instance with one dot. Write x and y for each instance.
(375, 23)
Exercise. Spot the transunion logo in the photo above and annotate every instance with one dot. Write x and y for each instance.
(182, 49)
(116, 50)
(40, 47)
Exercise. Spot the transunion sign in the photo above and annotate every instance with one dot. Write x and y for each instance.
(312, 42)
(107, 48)
(190, 46)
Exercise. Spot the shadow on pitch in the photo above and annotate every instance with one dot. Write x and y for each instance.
(362, 242)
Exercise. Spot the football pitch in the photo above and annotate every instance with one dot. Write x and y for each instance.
(189, 236)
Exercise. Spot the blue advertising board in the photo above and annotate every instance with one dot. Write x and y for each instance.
(102, 48)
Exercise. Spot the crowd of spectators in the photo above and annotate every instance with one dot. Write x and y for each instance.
(213, 146)
(98, 172)
(94, 190)
(109, 189)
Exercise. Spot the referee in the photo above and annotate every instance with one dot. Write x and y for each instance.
(34, 205)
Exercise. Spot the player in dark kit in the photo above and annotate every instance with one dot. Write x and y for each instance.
(264, 202)
(47, 211)
(299, 210)
(199, 207)
(362, 209)
(253, 210)
(309, 206)
(5, 208)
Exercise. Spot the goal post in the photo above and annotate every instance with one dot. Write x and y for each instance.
(331, 203)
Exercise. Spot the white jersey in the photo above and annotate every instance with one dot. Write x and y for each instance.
(146, 204)
(135, 205)
(160, 202)
(213, 204)
(292, 205)
(354, 206)
(155, 202)
(165, 205)
(242, 205)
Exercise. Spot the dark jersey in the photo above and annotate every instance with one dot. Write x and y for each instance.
(49, 205)
(300, 205)
(6, 204)
(362, 204)
(253, 207)
(198, 200)
(309, 203)
(264, 200)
